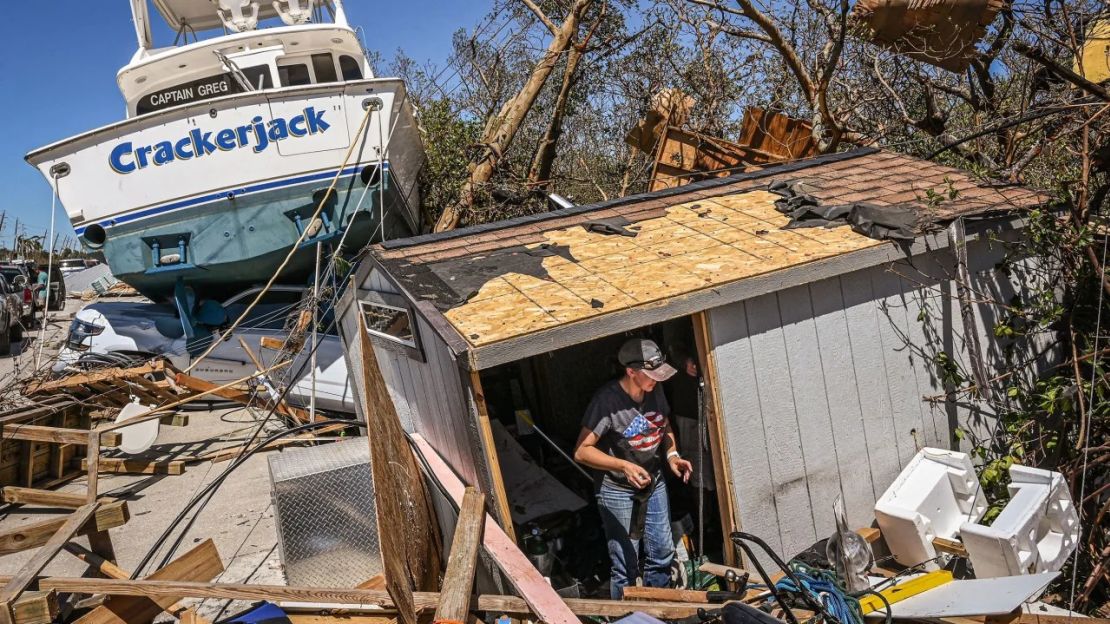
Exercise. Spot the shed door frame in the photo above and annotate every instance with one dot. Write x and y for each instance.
(722, 472)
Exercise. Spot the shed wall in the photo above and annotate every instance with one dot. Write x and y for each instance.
(429, 396)
(823, 385)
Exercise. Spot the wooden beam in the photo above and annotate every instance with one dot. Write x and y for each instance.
(91, 466)
(200, 564)
(541, 598)
(406, 526)
(55, 435)
(952, 547)
(175, 420)
(656, 594)
(423, 601)
(117, 465)
(97, 376)
(36, 607)
(107, 516)
(458, 581)
(489, 451)
(46, 498)
(718, 443)
(26, 574)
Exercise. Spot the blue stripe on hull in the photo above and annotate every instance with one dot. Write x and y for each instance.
(222, 195)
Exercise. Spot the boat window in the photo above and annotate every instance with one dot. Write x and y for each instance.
(294, 75)
(324, 68)
(350, 68)
(259, 77)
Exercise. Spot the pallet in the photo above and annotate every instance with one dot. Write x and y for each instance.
(151, 383)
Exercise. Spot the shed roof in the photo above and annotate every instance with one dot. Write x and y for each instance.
(506, 280)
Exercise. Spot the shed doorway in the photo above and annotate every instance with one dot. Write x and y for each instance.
(536, 406)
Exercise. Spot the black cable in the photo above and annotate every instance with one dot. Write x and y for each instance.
(215, 483)
(872, 592)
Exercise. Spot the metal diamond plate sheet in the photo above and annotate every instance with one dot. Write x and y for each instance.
(324, 511)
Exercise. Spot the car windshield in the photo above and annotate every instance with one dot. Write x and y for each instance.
(10, 273)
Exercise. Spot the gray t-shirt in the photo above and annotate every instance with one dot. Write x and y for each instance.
(629, 430)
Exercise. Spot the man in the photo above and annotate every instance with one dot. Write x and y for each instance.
(627, 435)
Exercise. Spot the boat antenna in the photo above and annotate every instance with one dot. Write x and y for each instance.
(236, 73)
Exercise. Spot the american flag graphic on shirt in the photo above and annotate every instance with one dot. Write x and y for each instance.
(645, 431)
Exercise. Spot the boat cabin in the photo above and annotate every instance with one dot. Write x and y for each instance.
(797, 383)
(308, 44)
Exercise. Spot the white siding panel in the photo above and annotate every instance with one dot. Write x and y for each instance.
(743, 424)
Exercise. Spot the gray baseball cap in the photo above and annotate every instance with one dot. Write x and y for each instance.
(644, 355)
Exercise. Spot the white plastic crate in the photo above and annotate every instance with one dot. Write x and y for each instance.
(933, 495)
(1035, 532)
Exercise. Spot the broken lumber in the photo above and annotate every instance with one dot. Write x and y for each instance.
(26, 574)
(338, 597)
(55, 435)
(406, 524)
(458, 581)
(107, 516)
(117, 465)
(47, 498)
(36, 607)
(201, 563)
(541, 598)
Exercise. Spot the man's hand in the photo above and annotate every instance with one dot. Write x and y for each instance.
(636, 475)
(681, 468)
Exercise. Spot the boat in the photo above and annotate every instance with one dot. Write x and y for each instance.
(258, 115)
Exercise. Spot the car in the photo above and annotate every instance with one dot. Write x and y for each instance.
(72, 265)
(11, 311)
(121, 331)
(57, 288)
(19, 278)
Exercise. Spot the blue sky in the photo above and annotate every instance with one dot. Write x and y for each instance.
(60, 58)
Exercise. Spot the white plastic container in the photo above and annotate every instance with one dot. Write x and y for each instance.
(1035, 532)
(936, 493)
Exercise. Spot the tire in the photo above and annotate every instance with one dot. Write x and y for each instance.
(6, 341)
(16, 333)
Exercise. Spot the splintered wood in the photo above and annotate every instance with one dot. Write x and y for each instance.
(693, 246)
(407, 530)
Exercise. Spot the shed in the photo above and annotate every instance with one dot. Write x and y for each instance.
(814, 342)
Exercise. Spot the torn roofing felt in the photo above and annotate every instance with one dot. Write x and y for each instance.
(684, 233)
(898, 222)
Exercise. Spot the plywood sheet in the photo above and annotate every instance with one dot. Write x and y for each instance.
(690, 247)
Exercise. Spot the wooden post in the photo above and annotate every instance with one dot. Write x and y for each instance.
(489, 449)
(458, 582)
(718, 445)
(407, 529)
(93, 458)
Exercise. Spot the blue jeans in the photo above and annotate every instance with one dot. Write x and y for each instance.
(615, 506)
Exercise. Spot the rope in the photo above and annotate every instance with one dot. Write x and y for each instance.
(823, 586)
(1087, 433)
(292, 250)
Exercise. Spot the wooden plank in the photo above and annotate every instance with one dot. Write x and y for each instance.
(718, 444)
(55, 435)
(537, 592)
(871, 534)
(175, 420)
(656, 594)
(36, 607)
(458, 581)
(47, 498)
(202, 563)
(26, 574)
(406, 527)
(104, 374)
(357, 598)
(91, 466)
(489, 451)
(116, 465)
(107, 516)
(952, 547)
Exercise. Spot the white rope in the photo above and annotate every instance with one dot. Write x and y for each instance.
(49, 268)
(293, 250)
(1087, 433)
